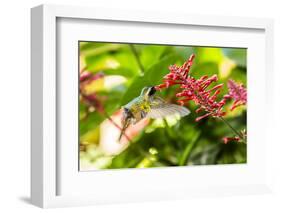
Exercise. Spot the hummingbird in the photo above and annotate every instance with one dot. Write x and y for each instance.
(148, 105)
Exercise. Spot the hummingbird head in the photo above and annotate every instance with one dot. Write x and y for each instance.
(148, 91)
(127, 114)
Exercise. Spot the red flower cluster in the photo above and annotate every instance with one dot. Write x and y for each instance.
(231, 139)
(226, 140)
(91, 100)
(196, 90)
(87, 77)
(241, 138)
(238, 93)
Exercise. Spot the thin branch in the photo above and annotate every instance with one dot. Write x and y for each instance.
(116, 125)
(106, 115)
(135, 52)
(234, 130)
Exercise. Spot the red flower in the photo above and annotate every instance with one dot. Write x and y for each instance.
(195, 89)
(241, 138)
(87, 77)
(238, 93)
(230, 139)
(91, 100)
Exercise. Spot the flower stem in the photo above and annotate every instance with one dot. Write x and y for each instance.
(234, 130)
(188, 149)
(169, 135)
(135, 52)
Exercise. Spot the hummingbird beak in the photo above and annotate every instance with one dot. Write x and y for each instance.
(126, 117)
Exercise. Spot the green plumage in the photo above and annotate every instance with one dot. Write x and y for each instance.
(148, 105)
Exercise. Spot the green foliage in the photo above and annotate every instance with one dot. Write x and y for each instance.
(163, 142)
(149, 78)
(238, 55)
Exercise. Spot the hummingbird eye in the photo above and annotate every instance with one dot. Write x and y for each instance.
(152, 91)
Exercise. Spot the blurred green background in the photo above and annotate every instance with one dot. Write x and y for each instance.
(126, 69)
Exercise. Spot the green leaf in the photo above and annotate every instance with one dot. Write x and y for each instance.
(127, 60)
(153, 76)
(184, 51)
(123, 71)
(94, 49)
(239, 75)
(184, 158)
(151, 53)
(208, 54)
(239, 55)
(98, 63)
(92, 121)
(121, 60)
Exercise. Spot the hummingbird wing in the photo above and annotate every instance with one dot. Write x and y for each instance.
(161, 109)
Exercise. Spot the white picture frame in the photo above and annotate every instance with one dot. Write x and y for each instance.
(48, 171)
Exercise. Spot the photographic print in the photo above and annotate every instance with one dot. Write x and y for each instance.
(150, 105)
